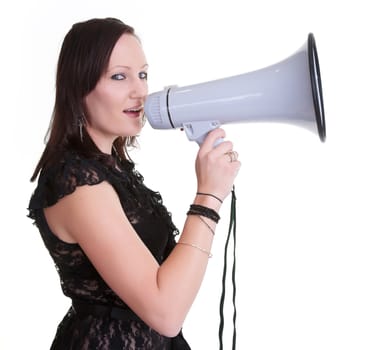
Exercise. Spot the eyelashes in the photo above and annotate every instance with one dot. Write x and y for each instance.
(143, 75)
(120, 76)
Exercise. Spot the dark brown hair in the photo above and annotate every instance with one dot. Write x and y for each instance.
(83, 58)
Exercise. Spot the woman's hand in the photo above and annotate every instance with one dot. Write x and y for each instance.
(216, 166)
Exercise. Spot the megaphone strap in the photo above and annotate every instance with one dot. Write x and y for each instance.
(232, 228)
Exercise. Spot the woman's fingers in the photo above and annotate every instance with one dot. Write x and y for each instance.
(213, 138)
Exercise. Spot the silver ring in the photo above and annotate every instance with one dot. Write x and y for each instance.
(233, 156)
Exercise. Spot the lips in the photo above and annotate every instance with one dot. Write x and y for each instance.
(134, 111)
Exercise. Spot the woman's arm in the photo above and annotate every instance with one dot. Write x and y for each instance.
(162, 295)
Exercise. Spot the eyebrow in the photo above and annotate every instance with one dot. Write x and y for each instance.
(127, 67)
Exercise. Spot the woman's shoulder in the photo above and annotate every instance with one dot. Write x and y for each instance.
(63, 175)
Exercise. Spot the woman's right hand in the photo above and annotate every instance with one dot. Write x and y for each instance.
(216, 166)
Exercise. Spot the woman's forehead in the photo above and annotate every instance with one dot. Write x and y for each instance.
(127, 52)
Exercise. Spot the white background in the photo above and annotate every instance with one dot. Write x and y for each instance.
(312, 248)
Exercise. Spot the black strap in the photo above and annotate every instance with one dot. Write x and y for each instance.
(232, 228)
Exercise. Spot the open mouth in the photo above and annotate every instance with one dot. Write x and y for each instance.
(134, 111)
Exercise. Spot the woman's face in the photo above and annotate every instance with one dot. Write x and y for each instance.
(115, 106)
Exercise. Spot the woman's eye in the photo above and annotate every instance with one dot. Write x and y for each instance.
(142, 75)
(118, 76)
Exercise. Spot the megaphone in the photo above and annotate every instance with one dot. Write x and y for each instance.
(286, 92)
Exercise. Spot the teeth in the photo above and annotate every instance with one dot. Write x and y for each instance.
(138, 109)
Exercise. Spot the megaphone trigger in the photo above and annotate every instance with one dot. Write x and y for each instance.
(218, 142)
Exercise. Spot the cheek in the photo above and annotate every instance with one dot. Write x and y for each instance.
(100, 102)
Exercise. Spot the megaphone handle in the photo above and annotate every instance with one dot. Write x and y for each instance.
(198, 131)
(201, 140)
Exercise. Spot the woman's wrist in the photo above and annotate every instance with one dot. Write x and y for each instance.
(209, 195)
(207, 201)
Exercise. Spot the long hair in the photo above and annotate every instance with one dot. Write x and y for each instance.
(83, 58)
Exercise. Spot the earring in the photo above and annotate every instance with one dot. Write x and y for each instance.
(81, 123)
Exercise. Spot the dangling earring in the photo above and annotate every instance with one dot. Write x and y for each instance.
(81, 123)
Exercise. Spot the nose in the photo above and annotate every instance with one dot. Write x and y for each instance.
(139, 89)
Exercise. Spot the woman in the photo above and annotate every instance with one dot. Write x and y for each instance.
(111, 238)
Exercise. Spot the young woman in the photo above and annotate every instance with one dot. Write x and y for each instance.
(130, 279)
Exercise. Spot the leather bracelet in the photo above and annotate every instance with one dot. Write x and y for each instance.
(196, 209)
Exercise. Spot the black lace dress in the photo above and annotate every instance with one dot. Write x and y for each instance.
(79, 279)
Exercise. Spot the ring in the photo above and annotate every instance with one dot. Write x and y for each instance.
(233, 156)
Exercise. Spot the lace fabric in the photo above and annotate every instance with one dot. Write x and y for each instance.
(79, 279)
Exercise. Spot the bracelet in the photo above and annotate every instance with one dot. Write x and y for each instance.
(206, 223)
(209, 194)
(209, 213)
(197, 247)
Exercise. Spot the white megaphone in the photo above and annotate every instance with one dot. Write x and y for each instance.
(287, 92)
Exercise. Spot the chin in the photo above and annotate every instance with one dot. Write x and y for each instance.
(135, 128)
(133, 132)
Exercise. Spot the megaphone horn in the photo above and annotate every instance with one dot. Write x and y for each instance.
(287, 92)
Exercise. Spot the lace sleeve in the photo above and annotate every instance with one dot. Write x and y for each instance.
(62, 178)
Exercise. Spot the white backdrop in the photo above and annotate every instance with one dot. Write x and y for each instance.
(312, 249)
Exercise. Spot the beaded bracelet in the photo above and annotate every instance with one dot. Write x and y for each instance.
(196, 209)
(197, 247)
